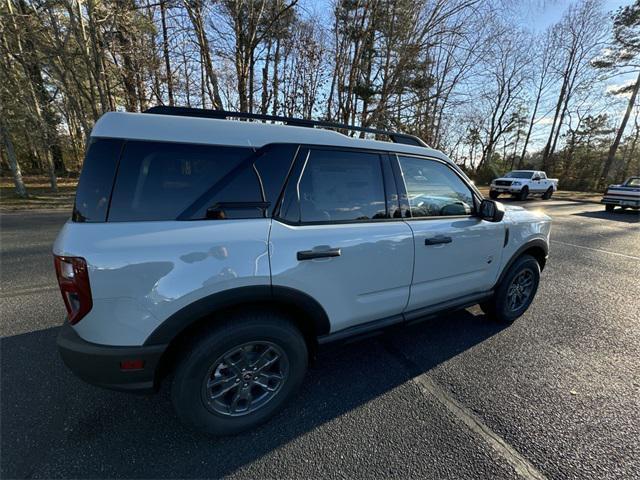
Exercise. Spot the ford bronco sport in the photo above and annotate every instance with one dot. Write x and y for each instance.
(224, 252)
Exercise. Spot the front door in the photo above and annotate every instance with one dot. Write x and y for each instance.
(456, 253)
(334, 237)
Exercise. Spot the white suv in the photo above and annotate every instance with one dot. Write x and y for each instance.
(225, 252)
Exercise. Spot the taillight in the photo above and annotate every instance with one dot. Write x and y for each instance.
(73, 279)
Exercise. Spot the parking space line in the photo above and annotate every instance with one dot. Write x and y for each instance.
(520, 464)
(596, 250)
(427, 386)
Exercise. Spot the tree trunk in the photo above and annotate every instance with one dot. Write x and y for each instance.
(21, 190)
(546, 154)
(616, 142)
(165, 50)
(211, 79)
(275, 82)
(530, 129)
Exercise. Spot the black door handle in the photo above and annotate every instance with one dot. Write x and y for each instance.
(311, 254)
(437, 240)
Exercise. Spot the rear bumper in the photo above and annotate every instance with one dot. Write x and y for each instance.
(100, 364)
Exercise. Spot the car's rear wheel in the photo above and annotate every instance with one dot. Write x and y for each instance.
(609, 207)
(524, 193)
(493, 194)
(239, 374)
(515, 292)
(548, 193)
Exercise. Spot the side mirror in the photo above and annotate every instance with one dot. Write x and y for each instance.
(491, 211)
(535, 179)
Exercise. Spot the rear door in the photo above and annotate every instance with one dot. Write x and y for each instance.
(456, 253)
(339, 238)
(539, 182)
(544, 181)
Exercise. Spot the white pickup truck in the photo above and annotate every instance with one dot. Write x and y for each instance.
(522, 183)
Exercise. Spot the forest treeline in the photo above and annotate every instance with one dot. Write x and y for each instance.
(461, 74)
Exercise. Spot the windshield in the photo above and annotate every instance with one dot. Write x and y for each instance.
(518, 175)
(633, 182)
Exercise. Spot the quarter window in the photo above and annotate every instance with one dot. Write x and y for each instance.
(434, 190)
(338, 186)
(96, 180)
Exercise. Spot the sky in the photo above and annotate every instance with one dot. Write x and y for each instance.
(539, 14)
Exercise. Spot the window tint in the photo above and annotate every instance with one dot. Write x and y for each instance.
(273, 164)
(633, 182)
(168, 181)
(434, 189)
(340, 186)
(96, 180)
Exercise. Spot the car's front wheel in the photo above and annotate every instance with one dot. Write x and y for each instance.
(609, 208)
(515, 292)
(524, 193)
(548, 193)
(239, 374)
(493, 194)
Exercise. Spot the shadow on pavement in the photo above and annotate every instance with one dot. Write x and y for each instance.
(54, 425)
(618, 215)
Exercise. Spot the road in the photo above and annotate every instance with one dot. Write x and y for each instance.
(556, 395)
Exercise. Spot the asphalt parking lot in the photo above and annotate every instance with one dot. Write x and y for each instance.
(556, 395)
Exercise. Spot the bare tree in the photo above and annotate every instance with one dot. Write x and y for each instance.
(579, 36)
(14, 166)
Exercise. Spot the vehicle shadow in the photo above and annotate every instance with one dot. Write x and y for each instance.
(618, 215)
(54, 425)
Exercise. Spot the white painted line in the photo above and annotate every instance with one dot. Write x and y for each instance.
(520, 464)
(596, 250)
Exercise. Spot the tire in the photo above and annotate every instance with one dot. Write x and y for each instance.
(224, 359)
(547, 195)
(609, 208)
(524, 193)
(493, 194)
(500, 306)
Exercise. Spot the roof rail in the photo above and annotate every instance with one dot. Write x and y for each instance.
(395, 137)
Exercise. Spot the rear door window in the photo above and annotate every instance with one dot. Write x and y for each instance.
(174, 181)
(338, 186)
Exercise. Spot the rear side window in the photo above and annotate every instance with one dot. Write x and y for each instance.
(173, 181)
(96, 180)
(338, 186)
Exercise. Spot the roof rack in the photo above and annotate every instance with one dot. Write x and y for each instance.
(395, 137)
